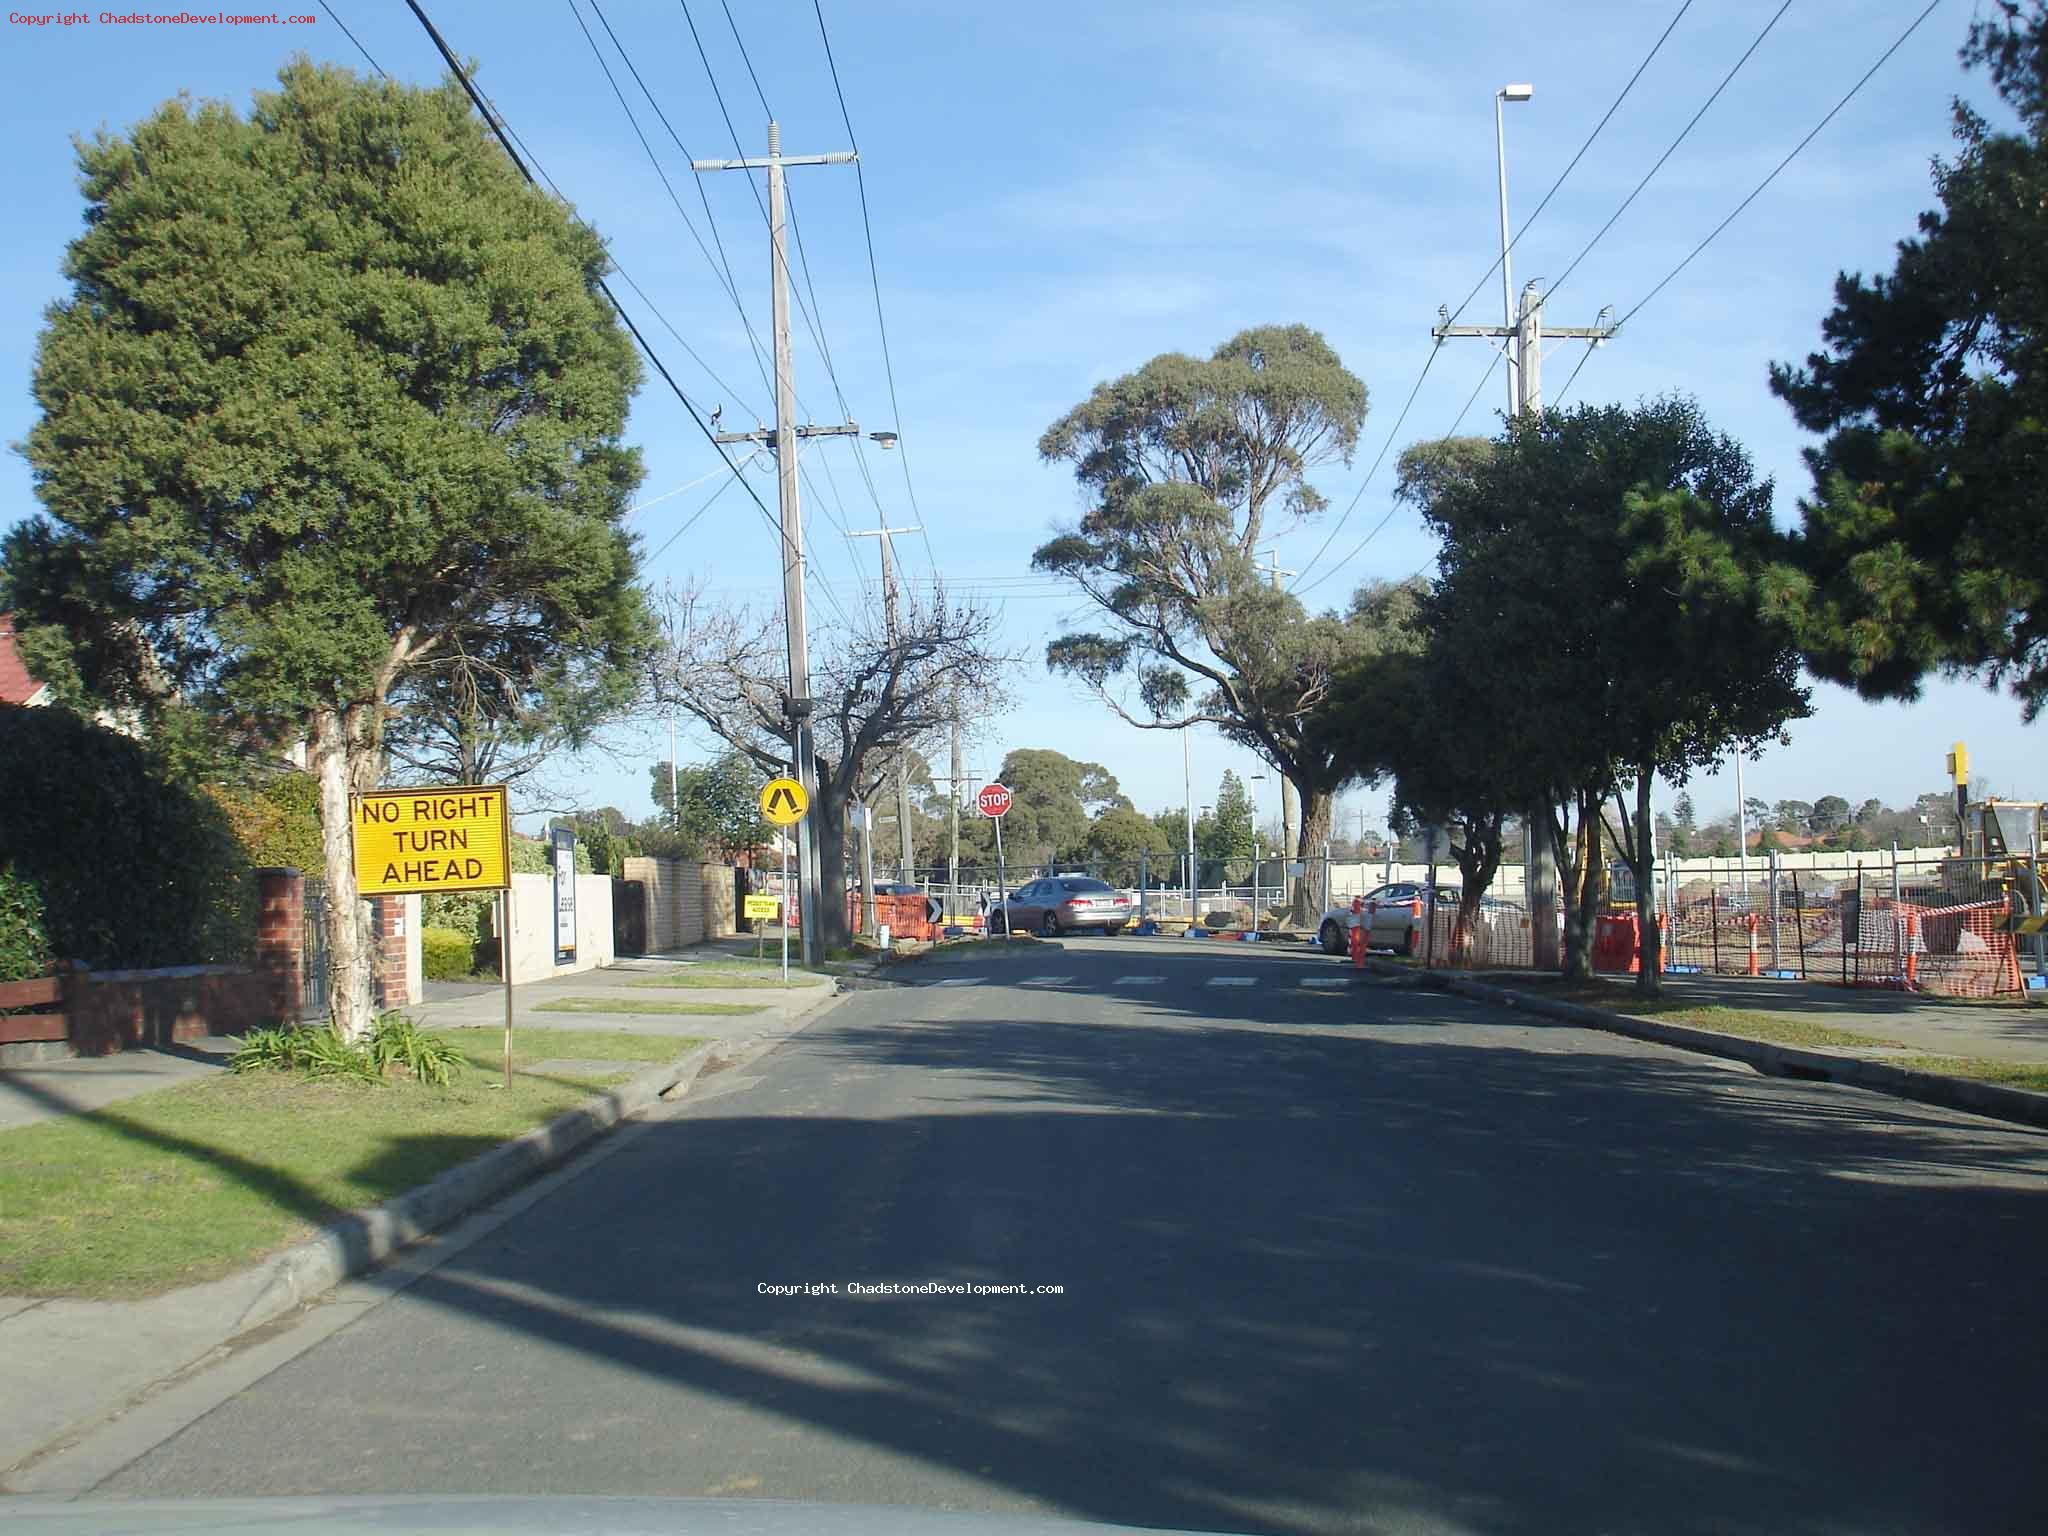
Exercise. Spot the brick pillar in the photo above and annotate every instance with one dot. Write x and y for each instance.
(281, 939)
(388, 960)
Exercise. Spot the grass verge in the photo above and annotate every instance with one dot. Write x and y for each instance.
(2011, 1074)
(644, 1005)
(1750, 1023)
(196, 1181)
(721, 976)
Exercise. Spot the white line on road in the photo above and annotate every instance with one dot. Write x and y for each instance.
(959, 981)
(1137, 981)
(1045, 981)
(1326, 981)
(1232, 981)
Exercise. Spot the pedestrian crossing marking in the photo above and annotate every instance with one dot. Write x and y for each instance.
(1326, 981)
(1137, 981)
(1045, 981)
(1233, 981)
(959, 981)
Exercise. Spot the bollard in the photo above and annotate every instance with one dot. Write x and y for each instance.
(1357, 934)
(1754, 968)
(1912, 950)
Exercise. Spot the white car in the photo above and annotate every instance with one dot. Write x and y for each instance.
(1393, 916)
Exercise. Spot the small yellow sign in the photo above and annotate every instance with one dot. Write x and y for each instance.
(1959, 764)
(416, 841)
(784, 802)
(762, 906)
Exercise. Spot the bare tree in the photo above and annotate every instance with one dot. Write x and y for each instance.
(875, 696)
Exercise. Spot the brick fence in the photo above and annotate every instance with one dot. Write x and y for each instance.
(687, 902)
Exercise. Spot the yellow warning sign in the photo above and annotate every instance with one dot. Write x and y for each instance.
(784, 802)
(762, 906)
(408, 841)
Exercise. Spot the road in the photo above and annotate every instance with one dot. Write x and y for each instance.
(1333, 1258)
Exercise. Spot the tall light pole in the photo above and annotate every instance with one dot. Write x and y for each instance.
(1520, 91)
(1187, 790)
(1520, 336)
(905, 860)
(783, 438)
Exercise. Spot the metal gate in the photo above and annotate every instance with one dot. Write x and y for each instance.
(629, 917)
(318, 963)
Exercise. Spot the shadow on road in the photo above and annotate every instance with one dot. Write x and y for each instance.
(1315, 1279)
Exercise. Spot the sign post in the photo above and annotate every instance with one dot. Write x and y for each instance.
(784, 802)
(409, 842)
(994, 803)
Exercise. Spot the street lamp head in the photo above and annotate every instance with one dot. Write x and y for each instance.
(885, 439)
(1521, 90)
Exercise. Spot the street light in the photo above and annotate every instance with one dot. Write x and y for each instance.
(883, 439)
(1519, 91)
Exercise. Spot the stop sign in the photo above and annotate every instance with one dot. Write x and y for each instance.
(994, 799)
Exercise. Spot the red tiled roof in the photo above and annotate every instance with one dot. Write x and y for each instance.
(17, 685)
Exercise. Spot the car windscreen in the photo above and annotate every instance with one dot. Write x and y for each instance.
(1084, 887)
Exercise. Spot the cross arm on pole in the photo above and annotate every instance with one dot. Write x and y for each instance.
(762, 162)
(1491, 332)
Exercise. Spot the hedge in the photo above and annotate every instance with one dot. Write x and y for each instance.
(132, 867)
(445, 954)
(24, 935)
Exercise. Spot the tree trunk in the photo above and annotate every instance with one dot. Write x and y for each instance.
(828, 839)
(1478, 859)
(349, 1005)
(1580, 864)
(1311, 889)
(1650, 979)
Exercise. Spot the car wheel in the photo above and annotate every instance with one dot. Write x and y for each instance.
(1114, 929)
(1049, 925)
(1333, 939)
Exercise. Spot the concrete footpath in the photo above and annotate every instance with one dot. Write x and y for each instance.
(74, 1363)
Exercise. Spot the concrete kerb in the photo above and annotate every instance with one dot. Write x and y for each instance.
(1995, 1100)
(364, 1239)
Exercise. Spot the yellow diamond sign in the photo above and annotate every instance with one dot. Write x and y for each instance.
(784, 802)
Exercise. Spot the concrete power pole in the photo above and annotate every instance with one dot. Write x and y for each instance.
(783, 440)
(1523, 343)
(953, 813)
(906, 864)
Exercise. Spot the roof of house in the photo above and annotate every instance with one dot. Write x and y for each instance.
(17, 684)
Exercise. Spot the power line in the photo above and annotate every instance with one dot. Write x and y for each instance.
(1755, 43)
(1392, 433)
(351, 37)
(860, 181)
(661, 175)
(1758, 190)
(1492, 363)
(688, 523)
(1484, 278)
(722, 265)
(505, 141)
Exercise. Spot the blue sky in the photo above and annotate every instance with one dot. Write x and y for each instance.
(1061, 191)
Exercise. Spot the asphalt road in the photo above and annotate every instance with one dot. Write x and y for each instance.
(1333, 1259)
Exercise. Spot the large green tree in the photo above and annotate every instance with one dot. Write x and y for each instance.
(332, 387)
(1053, 797)
(1921, 540)
(1619, 566)
(1185, 463)
(716, 805)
